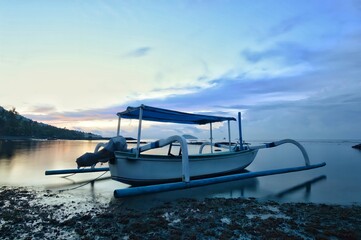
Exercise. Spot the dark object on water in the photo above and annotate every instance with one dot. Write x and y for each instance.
(107, 153)
(358, 146)
(218, 144)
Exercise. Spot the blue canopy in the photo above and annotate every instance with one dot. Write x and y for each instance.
(165, 115)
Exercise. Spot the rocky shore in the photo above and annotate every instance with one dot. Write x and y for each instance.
(34, 214)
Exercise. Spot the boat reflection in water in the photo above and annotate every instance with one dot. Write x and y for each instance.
(299, 187)
(235, 189)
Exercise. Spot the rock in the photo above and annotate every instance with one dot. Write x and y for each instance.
(214, 218)
(357, 146)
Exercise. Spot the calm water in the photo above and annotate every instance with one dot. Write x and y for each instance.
(22, 163)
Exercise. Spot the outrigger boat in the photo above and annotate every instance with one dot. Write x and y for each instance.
(148, 173)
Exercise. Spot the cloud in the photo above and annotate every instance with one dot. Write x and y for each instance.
(286, 52)
(43, 109)
(328, 117)
(108, 113)
(139, 52)
(322, 103)
(285, 26)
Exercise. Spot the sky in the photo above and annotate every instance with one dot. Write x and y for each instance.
(293, 68)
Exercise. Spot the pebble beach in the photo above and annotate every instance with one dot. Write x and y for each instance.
(42, 214)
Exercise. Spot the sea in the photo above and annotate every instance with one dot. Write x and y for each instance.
(23, 164)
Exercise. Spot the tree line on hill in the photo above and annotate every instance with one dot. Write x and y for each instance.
(12, 124)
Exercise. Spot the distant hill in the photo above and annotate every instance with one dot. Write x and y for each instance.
(13, 125)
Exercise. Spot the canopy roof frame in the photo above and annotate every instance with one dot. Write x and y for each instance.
(148, 113)
(165, 115)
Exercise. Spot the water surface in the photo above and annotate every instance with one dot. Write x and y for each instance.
(23, 163)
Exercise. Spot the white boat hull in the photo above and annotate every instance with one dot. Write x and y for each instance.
(151, 169)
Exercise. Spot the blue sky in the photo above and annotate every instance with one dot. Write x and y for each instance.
(292, 67)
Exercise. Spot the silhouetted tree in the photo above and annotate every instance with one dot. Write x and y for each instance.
(13, 124)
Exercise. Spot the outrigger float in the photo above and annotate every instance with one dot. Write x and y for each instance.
(151, 173)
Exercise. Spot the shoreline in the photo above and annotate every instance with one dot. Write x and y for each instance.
(29, 138)
(28, 213)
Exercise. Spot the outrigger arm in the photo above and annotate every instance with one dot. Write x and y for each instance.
(280, 142)
(163, 142)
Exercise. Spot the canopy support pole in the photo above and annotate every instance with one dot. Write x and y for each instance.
(118, 129)
(229, 135)
(139, 129)
(211, 137)
(240, 131)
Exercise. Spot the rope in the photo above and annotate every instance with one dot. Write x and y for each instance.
(82, 185)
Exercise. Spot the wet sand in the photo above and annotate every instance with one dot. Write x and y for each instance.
(35, 214)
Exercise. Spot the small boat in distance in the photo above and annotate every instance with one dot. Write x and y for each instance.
(136, 167)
